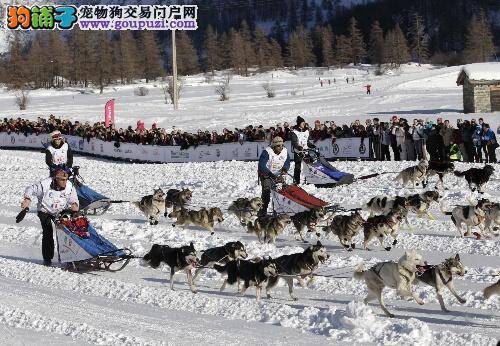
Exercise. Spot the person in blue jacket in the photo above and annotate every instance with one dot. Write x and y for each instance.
(489, 140)
(273, 163)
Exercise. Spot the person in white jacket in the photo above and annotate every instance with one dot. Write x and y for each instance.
(54, 194)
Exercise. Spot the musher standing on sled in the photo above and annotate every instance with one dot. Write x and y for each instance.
(58, 153)
(273, 163)
(54, 195)
(300, 140)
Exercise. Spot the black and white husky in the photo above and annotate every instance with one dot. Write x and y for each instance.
(439, 168)
(251, 273)
(298, 266)
(441, 276)
(470, 216)
(177, 258)
(221, 255)
(384, 204)
(307, 219)
(153, 206)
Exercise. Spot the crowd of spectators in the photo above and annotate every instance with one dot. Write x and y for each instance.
(468, 141)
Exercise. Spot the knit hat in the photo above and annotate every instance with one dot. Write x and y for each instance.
(276, 141)
(55, 134)
(300, 120)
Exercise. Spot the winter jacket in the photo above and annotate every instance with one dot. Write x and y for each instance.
(446, 133)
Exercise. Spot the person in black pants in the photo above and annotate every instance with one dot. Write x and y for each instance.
(54, 194)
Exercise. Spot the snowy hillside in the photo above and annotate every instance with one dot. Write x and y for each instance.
(42, 305)
(412, 92)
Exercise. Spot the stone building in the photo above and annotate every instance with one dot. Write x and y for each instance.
(481, 87)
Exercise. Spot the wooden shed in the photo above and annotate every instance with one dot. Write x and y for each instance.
(481, 87)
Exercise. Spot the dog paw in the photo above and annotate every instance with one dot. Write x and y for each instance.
(294, 298)
(388, 248)
(212, 233)
(420, 301)
(390, 315)
(462, 301)
(268, 296)
(195, 291)
(395, 242)
(353, 246)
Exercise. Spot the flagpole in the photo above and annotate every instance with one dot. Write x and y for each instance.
(174, 71)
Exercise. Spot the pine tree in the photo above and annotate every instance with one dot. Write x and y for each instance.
(479, 45)
(396, 47)
(327, 46)
(343, 50)
(37, 63)
(262, 48)
(59, 57)
(128, 57)
(150, 56)
(300, 49)
(187, 58)
(358, 51)
(81, 44)
(224, 48)
(101, 59)
(236, 51)
(317, 45)
(248, 49)
(275, 55)
(212, 58)
(17, 71)
(419, 39)
(377, 48)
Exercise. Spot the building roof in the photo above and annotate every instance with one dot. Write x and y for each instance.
(481, 73)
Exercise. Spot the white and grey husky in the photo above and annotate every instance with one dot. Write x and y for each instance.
(153, 206)
(399, 276)
(415, 174)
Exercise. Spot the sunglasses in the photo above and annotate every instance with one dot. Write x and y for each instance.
(61, 178)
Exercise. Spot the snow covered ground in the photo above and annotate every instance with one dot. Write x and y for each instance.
(425, 92)
(40, 305)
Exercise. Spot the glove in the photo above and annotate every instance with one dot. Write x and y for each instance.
(21, 215)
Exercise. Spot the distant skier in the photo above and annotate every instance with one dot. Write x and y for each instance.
(368, 89)
(54, 195)
(347, 80)
(58, 153)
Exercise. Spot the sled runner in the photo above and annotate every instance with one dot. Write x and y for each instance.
(318, 171)
(80, 246)
(291, 199)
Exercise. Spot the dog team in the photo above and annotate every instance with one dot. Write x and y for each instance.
(386, 214)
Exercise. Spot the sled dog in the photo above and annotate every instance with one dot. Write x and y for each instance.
(153, 206)
(414, 174)
(300, 264)
(203, 218)
(346, 227)
(245, 209)
(469, 216)
(492, 217)
(309, 218)
(477, 177)
(491, 290)
(420, 203)
(251, 273)
(380, 226)
(384, 204)
(177, 258)
(439, 168)
(399, 276)
(269, 226)
(177, 199)
(441, 276)
(221, 255)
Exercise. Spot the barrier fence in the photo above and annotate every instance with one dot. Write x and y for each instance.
(342, 148)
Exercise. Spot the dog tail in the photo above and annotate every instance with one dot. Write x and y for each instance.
(359, 272)
(459, 174)
(153, 257)
(220, 268)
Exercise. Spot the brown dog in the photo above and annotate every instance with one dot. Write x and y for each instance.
(203, 218)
